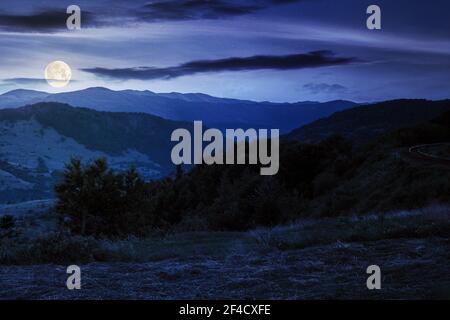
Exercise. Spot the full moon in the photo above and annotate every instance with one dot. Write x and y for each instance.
(58, 74)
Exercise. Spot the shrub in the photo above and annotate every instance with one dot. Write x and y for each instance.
(61, 248)
(7, 222)
(7, 226)
(52, 248)
(92, 200)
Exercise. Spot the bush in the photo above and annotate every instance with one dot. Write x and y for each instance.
(7, 222)
(52, 248)
(7, 226)
(64, 249)
(92, 200)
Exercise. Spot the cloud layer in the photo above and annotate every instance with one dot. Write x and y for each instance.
(24, 81)
(203, 9)
(320, 88)
(193, 9)
(288, 62)
(42, 21)
(140, 11)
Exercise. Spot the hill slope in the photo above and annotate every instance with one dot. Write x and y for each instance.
(363, 123)
(36, 141)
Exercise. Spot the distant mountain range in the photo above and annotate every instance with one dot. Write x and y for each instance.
(37, 141)
(214, 112)
(366, 122)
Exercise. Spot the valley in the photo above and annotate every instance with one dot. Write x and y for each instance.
(36, 143)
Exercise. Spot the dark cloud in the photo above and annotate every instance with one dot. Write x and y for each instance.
(193, 9)
(54, 19)
(203, 9)
(24, 81)
(42, 21)
(318, 88)
(288, 62)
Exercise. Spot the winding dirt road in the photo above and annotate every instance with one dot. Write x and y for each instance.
(418, 153)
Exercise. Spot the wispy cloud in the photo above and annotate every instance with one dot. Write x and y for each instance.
(193, 10)
(53, 18)
(24, 81)
(29, 81)
(288, 62)
(320, 88)
(161, 10)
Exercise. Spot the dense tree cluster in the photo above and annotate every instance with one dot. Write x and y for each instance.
(329, 178)
(93, 200)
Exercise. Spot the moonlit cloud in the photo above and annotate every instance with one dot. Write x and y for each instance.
(47, 21)
(319, 88)
(290, 62)
(24, 81)
(232, 48)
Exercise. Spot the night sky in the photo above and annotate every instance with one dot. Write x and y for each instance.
(275, 50)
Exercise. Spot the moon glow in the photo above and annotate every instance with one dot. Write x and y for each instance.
(58, 74)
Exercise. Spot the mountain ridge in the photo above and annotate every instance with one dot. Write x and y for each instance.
(213, 111)
(362, 123)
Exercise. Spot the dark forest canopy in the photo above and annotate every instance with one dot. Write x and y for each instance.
(329, 178)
